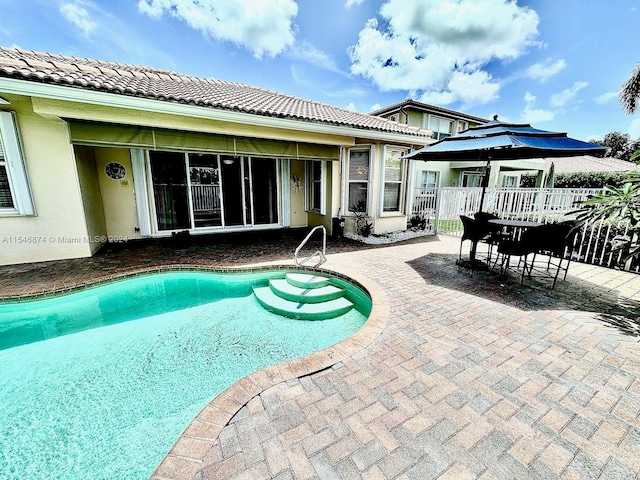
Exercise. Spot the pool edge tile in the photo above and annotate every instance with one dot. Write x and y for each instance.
(256, 383)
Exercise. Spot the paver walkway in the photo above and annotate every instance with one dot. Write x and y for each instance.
(471, 377)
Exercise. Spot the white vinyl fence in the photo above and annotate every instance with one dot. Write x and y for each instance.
(442, 207)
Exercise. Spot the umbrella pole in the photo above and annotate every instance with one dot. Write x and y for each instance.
(485, 182)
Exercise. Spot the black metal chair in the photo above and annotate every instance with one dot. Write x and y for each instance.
(553, 240)
(494, 234)
(557, 244)
(521, 248)
(473, 231)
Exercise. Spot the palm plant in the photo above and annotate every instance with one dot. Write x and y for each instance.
(629, 96)
(620, 205)
(630, 92)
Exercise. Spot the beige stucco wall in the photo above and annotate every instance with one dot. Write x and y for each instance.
(58, 229)
(91, 197)
(118, 198)
(296, 185)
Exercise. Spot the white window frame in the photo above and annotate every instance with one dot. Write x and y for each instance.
(470, 174)
(13, 161)
(423, 183)
(308, 189)
(426, 120)
(509, 176)
(348, 181)
(402, 182)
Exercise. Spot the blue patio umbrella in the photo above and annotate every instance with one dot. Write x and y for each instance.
(496, 140)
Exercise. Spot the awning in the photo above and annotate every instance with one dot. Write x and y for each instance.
(130, 136)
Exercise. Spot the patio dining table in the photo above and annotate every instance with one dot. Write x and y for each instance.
(512, 225)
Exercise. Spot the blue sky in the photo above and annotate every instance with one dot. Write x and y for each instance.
(555, 64)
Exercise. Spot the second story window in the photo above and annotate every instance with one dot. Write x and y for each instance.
(441, 127)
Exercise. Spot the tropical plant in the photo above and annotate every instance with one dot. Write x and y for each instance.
(629, 95)
(630, 92)
(363, 226)
(618, 205)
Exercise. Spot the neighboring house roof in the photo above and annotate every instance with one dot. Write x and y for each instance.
(413, 104)
(151, 83)
(587, 163)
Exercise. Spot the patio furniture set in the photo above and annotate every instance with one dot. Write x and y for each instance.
(542, 250)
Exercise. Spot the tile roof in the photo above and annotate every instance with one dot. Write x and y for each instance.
(411, 103)
(587, 163)
(168, 86)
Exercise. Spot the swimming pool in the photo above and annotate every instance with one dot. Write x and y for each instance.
(105, 389)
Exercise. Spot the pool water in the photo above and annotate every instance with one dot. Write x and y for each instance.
(100, 383)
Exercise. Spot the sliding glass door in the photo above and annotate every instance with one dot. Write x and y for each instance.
(170, 191)
(219, 191)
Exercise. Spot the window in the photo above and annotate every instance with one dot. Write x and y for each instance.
(6, 201)
(471, 179)
(428, 179)
(315, 193)
(462, 126)
(441, 127)
(393, 180)
(15, 196)
(511, 181)
(358, 179)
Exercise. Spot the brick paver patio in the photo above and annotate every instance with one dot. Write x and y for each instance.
(453, 377)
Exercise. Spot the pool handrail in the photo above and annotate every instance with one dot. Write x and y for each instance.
(321, 254)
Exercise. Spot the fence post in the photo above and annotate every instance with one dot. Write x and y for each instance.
(436, 223)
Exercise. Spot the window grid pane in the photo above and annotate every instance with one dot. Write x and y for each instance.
(5, 192)
(392, 181)
(358, 180)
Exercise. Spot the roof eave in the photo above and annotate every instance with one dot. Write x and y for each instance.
(94, 97)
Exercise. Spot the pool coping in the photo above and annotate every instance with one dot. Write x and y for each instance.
(188, 453)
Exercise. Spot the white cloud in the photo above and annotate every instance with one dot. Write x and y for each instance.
(264, 27)
(568, 94)
(534, 115)
(352, 107)
(308, 53)
(605, 97)
(374, 107)
(471, 88)
(350, 3)
(437, 48)
(79, 16)
(545, 70)
(634, 129)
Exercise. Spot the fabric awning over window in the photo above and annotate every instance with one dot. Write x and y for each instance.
(114, 135)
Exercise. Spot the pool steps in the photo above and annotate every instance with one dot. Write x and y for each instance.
(304, 297)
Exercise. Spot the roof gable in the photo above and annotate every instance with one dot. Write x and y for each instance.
(410, 104)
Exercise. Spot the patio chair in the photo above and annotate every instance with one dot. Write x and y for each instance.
(552, 240)
(474, 232)
(557, 244)
(494, 234)
(522, 248)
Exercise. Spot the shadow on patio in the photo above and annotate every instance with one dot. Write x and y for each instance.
(572, 294)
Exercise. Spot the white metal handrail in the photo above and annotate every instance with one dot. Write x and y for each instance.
(319, 253)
